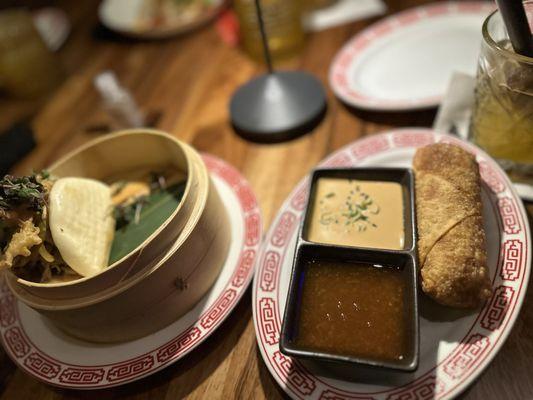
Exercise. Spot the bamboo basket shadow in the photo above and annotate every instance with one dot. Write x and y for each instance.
(165, 275)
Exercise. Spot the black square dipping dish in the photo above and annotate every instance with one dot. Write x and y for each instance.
(352, 297)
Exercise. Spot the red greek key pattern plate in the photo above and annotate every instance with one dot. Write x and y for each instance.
(341, 70)
(453, 352)
(64, 362)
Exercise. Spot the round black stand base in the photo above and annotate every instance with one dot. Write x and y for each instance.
(278, 106)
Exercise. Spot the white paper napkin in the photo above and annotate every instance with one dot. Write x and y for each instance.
(342, 12)
(455, 109)
(118, 101)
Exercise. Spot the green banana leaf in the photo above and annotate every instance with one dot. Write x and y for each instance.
(159, 206)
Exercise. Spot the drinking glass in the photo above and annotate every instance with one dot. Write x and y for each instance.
(312, 5)
(502, 119)
(283, 26)
(28, 69)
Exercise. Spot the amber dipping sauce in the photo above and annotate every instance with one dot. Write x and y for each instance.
(353, 309)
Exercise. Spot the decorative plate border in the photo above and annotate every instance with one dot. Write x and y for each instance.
(486, 335)
(44, 367)
(338, 73)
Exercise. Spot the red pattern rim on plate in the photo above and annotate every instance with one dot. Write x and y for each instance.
(487, 333)
(338, 73)
(46, 368)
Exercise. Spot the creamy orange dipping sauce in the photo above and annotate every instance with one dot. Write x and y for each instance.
(357, 213)
(353, 309)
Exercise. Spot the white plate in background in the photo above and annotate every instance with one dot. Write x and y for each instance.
(405, 61)
(126, 17)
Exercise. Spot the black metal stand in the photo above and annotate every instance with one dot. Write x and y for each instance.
(277, 106)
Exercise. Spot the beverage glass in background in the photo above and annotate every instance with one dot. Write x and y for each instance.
(283, 26)
(28, 69)
(312, 5)
(502, 119)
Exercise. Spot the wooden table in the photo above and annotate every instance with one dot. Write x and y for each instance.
(189, 81)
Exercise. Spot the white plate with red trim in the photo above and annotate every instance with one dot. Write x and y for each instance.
(453, 352)
(405, 61)
(42, 351)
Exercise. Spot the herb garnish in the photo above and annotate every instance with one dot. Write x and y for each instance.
(24, 191)
(357, 211)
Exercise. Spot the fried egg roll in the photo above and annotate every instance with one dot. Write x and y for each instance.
(451, 238)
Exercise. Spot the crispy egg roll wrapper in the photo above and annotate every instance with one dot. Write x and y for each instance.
(451, 238)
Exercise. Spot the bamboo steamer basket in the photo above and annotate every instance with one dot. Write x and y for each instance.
(162, 279)
(113, 156)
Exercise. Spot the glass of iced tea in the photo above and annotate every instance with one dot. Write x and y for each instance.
(502, 119)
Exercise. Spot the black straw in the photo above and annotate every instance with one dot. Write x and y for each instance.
(264, 38)
(515, 20)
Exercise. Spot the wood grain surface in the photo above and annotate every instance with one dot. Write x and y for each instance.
(185, 83)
